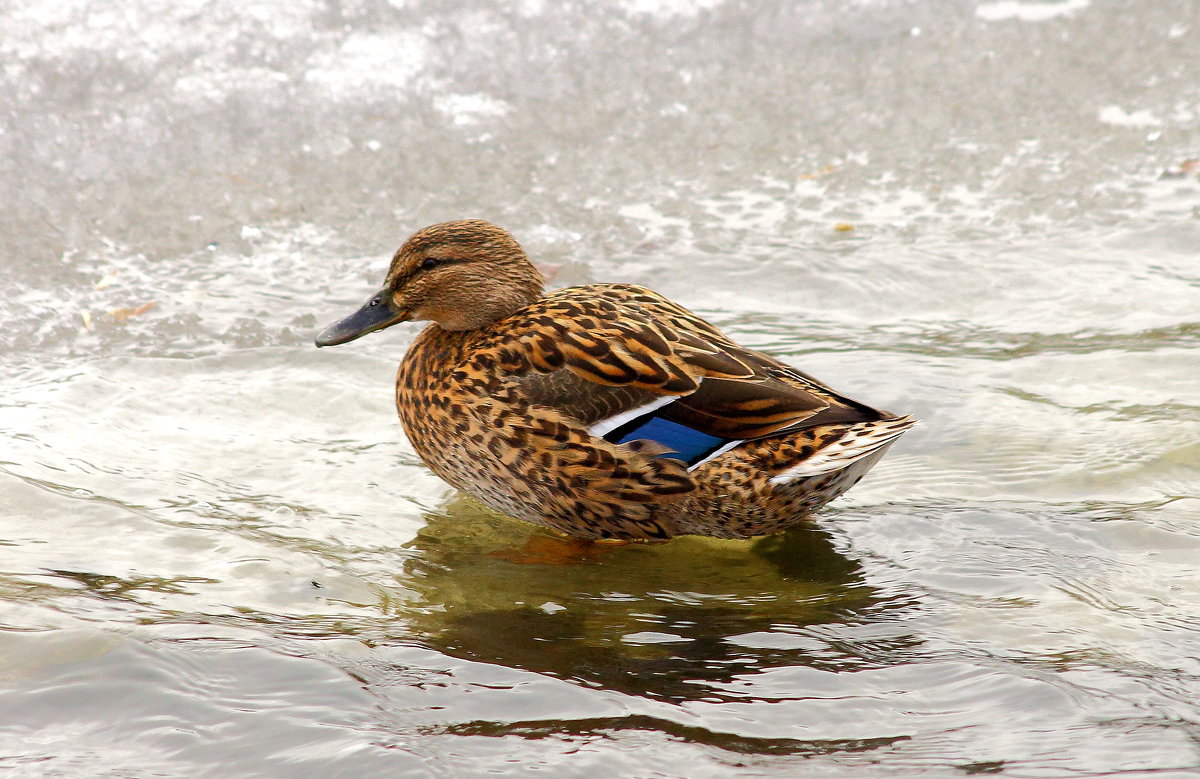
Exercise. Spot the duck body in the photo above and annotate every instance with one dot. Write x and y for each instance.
(605, 411)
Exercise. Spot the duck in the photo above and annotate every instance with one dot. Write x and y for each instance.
(604, 411)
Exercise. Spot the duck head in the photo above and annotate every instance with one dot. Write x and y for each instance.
(461, 275)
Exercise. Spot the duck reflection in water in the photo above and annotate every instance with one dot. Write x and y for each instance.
(676, 621)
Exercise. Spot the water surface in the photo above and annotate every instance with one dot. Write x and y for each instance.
(221, 557)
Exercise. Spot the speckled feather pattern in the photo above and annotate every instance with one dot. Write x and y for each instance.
(502, 413)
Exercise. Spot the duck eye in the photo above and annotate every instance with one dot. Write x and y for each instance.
(428, 262)
(375, 301)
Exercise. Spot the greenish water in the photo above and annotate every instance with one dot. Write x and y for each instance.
(219, 556)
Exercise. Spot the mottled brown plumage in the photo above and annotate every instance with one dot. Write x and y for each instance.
(510, 393)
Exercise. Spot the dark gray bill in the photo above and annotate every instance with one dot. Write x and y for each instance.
(376, 314)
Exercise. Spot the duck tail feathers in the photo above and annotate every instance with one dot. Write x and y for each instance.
(859, 440)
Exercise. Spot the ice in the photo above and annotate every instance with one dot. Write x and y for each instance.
(1029, 12)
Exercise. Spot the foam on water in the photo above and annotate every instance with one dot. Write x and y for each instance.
(1029, 12)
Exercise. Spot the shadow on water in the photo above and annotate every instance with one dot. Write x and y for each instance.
(731, 742)
(676, 621)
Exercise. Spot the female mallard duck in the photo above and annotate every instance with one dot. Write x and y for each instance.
(604, 411)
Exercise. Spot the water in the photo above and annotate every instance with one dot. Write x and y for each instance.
(221, 557)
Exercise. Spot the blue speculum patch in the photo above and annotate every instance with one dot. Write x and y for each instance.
(686, 444)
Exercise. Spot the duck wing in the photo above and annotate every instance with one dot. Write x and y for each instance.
(620, 353)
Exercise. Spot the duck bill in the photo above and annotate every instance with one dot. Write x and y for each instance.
(376, 314)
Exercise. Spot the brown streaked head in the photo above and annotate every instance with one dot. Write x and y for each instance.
(462, 275)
